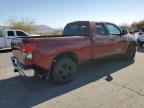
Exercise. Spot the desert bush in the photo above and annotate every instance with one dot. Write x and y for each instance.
(137, 25)
(125, 26)
(1, 33)
(56, 33)
(25, 24)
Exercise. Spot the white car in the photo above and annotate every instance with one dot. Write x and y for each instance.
(7, 36)
(140, 39)
(142, 30)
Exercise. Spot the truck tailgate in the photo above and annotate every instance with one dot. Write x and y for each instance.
(17, 50)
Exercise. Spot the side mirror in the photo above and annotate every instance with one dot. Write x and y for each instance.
(124, 32)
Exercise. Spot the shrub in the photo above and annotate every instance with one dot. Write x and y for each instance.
(25, 24)
(1, 33)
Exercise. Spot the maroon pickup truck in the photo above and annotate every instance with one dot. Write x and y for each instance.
(81, 41)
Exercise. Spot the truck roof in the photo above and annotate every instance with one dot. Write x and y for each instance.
(89, 22)
(12, 30)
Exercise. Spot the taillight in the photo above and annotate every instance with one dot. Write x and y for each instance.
(28, 47)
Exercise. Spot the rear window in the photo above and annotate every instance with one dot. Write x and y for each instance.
(77, 29)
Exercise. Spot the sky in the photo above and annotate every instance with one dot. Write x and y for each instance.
(56, 13)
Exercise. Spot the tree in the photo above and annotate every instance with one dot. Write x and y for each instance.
(1, 34)
(125, 26)
(25, 24)
(137, 25)
(57, 32)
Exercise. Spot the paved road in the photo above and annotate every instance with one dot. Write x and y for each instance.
(106, 84)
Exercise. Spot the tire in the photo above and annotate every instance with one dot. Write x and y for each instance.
(39, 74)
(64, 70)
(130, 54)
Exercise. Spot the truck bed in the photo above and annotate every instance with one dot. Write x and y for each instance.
(50, 46)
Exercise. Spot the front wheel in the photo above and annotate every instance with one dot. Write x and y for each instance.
(64, 70)
(130, 54)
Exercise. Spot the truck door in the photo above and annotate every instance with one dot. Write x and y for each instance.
(118, 42)
(10, 35)
(101, 42)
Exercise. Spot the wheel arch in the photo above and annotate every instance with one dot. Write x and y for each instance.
(71, 55)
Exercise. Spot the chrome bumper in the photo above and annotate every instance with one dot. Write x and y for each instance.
(19, 67)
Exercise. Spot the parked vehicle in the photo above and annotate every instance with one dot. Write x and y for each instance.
(7, 36)
(58, 56)
(140, 39)
(142, 30)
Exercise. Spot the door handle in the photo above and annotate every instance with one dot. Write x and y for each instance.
(112, 39)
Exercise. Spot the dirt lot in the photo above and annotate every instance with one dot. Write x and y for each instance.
(89, 89)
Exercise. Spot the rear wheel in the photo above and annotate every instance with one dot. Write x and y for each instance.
(64, 70)
(130, 54)
(39, 74)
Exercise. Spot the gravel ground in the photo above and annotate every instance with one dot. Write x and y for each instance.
(106, 84)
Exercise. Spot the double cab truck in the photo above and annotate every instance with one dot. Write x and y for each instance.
(58, 56)
(6, 37)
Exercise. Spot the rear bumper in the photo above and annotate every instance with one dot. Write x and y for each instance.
(19, 66)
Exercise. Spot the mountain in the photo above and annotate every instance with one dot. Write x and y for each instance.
(44, 29)
(40, 29)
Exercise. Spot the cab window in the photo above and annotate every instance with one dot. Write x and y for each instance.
(10, 33)
(113, 30)
(100, 29)
(19, 33)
